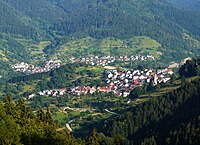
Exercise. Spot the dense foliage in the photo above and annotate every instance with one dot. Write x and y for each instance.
(19, 125)
(162, 120)
(190, 68)
(171, 118)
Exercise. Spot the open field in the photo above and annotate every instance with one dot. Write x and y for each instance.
(108, 46)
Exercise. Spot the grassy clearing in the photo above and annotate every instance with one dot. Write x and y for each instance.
(108, 46)
(140, 101)
(144, 42)
(34, 48)
(95, 69)
(110, 67)
(28, 88)
(60, 116)
(39, 47)
(3, 56)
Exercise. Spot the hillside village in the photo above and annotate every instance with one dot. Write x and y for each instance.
(31, 69)
(94, 61)
(120, 83)
(108, 60)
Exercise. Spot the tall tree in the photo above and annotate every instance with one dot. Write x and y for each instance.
(93, 139)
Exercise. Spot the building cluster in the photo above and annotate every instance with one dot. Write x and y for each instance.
(83, 90)
(177, 65)
(96, 60)
(122, 82)
(81, 109)
(107, 60)
(31, 69)
(53, 93)
(119, 83)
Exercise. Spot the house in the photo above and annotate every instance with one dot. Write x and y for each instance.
(104, 89)
(31, 96)
(170, 71)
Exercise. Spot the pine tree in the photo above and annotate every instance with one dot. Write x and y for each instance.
(94, 139)
(118, 140)
(49, 119)
(41, 115)
(183, 81)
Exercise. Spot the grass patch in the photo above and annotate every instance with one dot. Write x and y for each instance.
(108, 46)
(60, 116)
(28, 88)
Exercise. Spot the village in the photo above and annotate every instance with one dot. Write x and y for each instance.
(31, 69)
(108, 60)
(119, 83)
(94, 61)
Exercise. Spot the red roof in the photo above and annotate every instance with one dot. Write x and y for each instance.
(170, 70)
(63, 89)
(136, 82)
(104, 88)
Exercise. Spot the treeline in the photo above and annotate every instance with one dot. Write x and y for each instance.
(37, 76)
(19, 125)
(11, 50)
(186, 133)
(161, 120)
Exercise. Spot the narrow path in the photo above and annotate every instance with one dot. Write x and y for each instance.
(68, 127)
(110, 112)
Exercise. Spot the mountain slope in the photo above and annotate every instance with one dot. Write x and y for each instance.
(23, 23)
(40, 10)
(61, 21)
(15, 23)
(133, 17)
(123, 19)
(165, 120)
(194, 7)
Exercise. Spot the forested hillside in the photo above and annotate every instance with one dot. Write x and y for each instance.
(123, 19)
(19, 125)
(39, 10)
(14, 23)
(172, 118)
(24, 23)
(104, 15)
